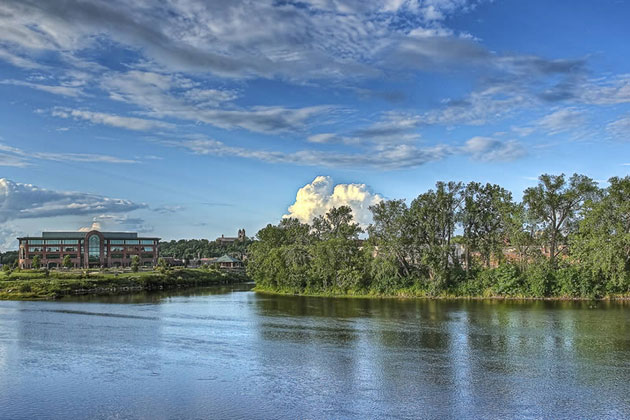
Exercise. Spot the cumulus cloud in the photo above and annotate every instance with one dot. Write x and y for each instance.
(26, 201)
(321, 195)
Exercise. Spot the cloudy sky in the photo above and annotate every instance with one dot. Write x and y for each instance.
(192, 118)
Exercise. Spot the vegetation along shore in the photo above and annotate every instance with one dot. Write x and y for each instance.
(567, 238)
(43, 284)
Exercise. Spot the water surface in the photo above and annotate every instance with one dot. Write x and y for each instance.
(230, 353)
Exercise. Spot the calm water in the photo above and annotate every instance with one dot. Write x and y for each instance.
(223, 353)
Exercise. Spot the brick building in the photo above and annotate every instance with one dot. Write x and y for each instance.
(92, 249)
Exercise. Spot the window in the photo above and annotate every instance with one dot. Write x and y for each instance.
(132, 242)
(36, 241)
(116, 248)
(52, 249)
(117, 255)
(116, 242)
(70, 249)
(69, 242)
(147, 255)
(53, 256)
(147, 249)
(52, 241)
(35, 249)
(94, 248)
(146, 242)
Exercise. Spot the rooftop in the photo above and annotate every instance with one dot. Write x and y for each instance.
(81, 235)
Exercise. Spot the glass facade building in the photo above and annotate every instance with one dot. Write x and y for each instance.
(92, 249)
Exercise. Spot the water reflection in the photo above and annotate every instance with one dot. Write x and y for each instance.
(226, 352)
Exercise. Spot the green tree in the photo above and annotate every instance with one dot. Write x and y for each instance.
(601, 245)
(555, 204)
(135, 263)
(36, 263)
(67, 262)
(432, 223)
(162, 266)
(482, 222)
(390, 232)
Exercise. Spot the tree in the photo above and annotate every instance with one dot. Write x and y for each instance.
(162, 266)
(67, 262)
(135, 263)
(481, 219)
(336, 223)
(391, 234)
(432, 223)
(601, 245)
(555, 204)
(36, 263)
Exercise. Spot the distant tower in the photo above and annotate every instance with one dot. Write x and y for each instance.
(241, 235)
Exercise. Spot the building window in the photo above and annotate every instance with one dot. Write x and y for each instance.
(52, 249)
(35, 248)
(52, 241)
(70, 249)
(147, 249)
(116, 242)
(146, 242)
(36, 242)
(132, 242)
(116, 248)
(69, 242)
(94, 248)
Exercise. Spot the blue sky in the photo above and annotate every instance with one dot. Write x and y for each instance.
(195, 118)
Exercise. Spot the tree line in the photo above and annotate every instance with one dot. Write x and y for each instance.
(566, 238)
(192, 248)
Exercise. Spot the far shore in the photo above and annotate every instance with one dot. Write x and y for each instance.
(50, 285)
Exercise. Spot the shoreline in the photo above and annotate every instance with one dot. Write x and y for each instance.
(445, 297)
(60, 284)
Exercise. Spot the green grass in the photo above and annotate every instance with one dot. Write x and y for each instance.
(36, 285)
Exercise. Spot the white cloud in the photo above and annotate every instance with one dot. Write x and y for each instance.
(384, 158)
(620, 128)
(20, 158)
(562, 120)
(26, 201)
(321, 195)
(71, 91)
(129, 123)
(489, 149)
(118, 222)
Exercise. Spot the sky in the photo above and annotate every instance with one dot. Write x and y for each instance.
(192, 119)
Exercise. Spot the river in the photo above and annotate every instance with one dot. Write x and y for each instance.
(230, 353)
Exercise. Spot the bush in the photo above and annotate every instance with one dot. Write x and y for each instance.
(540, 279)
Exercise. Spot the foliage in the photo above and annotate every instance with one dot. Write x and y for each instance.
(566, 239)
(135, 263)
(36, 263)
(67, 262)
(192, 248)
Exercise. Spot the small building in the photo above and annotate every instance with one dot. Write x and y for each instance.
(229, 263)
(225, 240)
(92, 249)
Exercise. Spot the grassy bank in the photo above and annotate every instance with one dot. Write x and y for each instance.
(37, 285)
(416, 293)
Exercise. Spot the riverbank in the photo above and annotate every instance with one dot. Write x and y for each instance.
(417, 294)
(41, 285)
